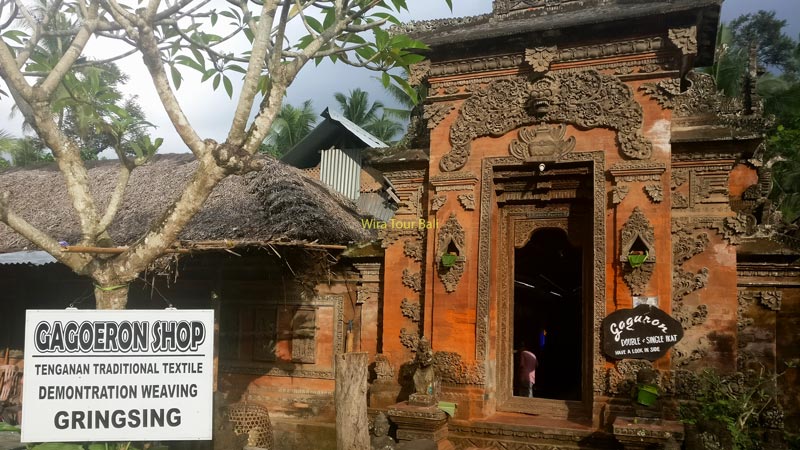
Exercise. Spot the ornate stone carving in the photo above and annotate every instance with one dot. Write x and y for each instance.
(684, 283)
(304, 329)
(467, 201)
(637, 239)
(438, 202)
(631, 171)
(417, 73)
(586, 99)
(412, 248)
(540, 58)
(685, 245)
(542, 143)
(384, 372)
(618, 193)
(687, 318)
(597, 309)
(663, 92)
(685, 352)
(409, 339)
(732, 228)
(772, 300)
(638, 235)
(637, 278)
(655, 192)
(685, 39)
(452, 369)
(703, 99)
(410, 309)
(451, 240)
(412, 280)
(435, 113)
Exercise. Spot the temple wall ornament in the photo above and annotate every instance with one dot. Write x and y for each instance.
(410, 309)
(435, 113)
(638, 251)
(409, 339)
(685, 39)
(412, 248)
(452, 369)
(467, 201)
(304, 329)
(587, 99)
(418, 72)
(702, 98)
(437, 202)
(450, 253)
(684, 283)
(655, 192)
(384, 372)
(412, 281)
(618, 193)
(540, 58)
(542, 143)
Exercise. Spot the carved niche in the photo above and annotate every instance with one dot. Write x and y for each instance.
(542, 143)
(638, 239)
(450, 243)
(304, 331)
(587, 99)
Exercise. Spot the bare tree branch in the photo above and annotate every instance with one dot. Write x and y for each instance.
(136, 259)
(261, 47)
(115, 202)
(76, 262)
(152, 59)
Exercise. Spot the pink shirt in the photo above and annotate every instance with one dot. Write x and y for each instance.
(527, 367)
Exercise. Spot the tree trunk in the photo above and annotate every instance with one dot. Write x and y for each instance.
(352, 424)
(111, 296)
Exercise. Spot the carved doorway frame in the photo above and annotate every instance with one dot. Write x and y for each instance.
(490, 266)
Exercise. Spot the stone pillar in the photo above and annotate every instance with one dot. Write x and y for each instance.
(368, 297)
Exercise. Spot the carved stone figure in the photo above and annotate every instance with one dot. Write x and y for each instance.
(424, 375)
(380, 439)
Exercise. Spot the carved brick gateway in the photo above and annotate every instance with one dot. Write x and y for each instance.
(587, 99)
(593, 374)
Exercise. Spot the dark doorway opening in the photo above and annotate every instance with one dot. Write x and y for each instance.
(548, 315)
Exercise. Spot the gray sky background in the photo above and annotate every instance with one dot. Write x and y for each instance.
(210, 112)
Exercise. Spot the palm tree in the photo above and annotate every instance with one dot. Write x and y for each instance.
(291, 125)
(356, 107)
(384, 128)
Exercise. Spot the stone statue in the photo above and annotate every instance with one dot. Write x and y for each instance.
(380, 439)
(424, 376)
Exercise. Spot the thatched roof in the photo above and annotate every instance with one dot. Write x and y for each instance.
(276, 203)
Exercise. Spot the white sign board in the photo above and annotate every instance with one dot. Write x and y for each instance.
(126, 375)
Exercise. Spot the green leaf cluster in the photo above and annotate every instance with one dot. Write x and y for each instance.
(733, 403)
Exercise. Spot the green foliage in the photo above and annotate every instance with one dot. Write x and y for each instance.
(357, 108)
(765, 31)
(26, 151)
(734, 401)
(290, 126)
(780, 92)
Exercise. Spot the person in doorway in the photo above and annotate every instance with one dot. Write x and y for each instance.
(527, 371)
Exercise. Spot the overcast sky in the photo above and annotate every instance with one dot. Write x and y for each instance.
(210, 112)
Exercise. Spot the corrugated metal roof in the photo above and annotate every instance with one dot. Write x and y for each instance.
(341, 170)
(34, 258)
(334, 131)
(368, 139)
(373, 204)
